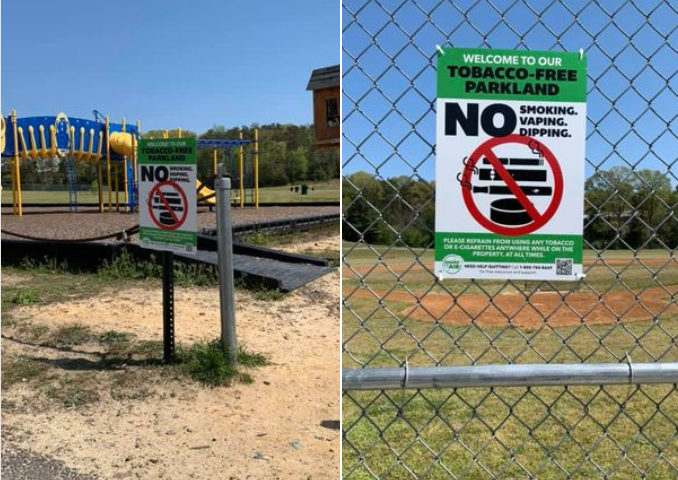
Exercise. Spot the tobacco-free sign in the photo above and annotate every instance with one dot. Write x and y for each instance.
(168, 206)
(511, 134)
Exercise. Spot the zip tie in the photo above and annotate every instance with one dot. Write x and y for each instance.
(630, 388)
(440, 49)
(407, 373)
(581, 53)
(630, 364)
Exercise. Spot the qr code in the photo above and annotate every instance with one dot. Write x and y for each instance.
(563, 266)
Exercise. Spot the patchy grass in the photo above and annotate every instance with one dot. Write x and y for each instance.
(70, 335)
(33, 332)
(122, 367)
(74, 390)
(25, 297)
(49, 283)
(269, 295)
(259, 239)
(273, 239)
(130, 385)
(113, 337)
(21, 369)
(126, 267)
(333, 257)
(209, 364)
(149, 349)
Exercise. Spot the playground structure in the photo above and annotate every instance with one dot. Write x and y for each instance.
(113, 147)
(240, 162)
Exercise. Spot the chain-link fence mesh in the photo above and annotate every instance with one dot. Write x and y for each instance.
(395, 312)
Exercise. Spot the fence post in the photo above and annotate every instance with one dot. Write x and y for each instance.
(229, 341)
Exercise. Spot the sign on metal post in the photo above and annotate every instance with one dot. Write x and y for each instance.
(167, 194)
(168, 212)
(511, 133)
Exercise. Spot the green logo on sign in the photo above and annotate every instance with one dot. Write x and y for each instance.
(452, 264)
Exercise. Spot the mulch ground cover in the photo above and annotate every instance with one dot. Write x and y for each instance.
(58, 223)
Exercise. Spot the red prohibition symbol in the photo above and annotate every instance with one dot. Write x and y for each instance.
(538, 219)
(164, 214)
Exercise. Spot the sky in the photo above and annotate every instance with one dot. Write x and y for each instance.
(389, 75)
(168, 63)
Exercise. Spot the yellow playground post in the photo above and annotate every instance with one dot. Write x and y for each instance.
(134, 151)
(125, 183)
(16, 173)
(108, 166)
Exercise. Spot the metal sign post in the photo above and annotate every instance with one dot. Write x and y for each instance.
(226, 281)
(168, 305)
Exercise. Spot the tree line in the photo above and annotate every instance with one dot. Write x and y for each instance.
(624, 208)
(287, 155)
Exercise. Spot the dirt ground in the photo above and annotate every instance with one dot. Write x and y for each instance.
(284, 425)
(320, 244)
(558, 310)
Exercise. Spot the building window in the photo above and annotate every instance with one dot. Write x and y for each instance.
(332, 109)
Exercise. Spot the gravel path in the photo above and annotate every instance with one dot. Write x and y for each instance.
(53, 222)
(19, 464)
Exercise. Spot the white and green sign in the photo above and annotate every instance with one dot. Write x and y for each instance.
(167, 194)
(511, 133)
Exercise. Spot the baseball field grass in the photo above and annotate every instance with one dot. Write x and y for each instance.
(394, 311)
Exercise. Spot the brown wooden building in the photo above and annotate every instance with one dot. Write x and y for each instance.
(324, 84)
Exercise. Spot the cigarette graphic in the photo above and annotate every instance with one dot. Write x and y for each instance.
(496, 190)
(518, 175)
(518, 162)
(172, 199)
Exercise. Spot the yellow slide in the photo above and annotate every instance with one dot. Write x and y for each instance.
(204, 192)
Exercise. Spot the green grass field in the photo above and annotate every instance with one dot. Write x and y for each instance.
(323, 192)
(509, 432)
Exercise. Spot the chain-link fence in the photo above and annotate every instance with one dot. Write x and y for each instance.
(397, 315)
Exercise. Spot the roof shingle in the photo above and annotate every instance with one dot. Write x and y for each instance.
(327, 77)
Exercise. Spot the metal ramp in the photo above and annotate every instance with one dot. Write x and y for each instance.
(270, 268)
(283, 275)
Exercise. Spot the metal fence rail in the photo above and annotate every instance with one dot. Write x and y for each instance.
(494, 379)
(484, 376)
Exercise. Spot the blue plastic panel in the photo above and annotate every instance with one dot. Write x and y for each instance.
(63, 138)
